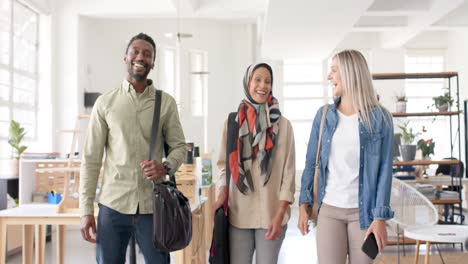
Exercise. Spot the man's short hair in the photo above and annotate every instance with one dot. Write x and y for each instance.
(144, 37)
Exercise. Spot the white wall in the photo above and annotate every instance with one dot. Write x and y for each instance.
(64, 71)
(102, 44)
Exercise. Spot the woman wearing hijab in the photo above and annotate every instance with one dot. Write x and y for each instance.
(262, 167)
(356, 160)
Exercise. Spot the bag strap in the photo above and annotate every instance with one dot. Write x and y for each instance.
(317, 158)
(232, 133)
(154, 133)
(155, 125)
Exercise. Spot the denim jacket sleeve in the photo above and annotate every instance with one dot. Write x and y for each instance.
(382, 208)
(307, 181)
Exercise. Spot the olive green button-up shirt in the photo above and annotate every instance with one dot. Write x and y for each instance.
(120, 129)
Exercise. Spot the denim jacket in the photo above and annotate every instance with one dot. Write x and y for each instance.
(375, 170)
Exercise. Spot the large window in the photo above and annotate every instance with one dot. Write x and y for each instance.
(420, 92)
(18, 70)
(198, 83)
(168, 71)
(305, 91)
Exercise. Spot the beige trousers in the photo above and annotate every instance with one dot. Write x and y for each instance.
(339, 236)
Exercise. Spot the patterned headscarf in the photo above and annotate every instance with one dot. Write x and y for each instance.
(258, 130)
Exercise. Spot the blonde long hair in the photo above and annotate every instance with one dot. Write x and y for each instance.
(356, 77)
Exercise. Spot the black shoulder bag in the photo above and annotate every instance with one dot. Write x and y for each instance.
(172, 216)
(219, 250)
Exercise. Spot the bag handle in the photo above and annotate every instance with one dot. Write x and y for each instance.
(231, 141)
(317, 158)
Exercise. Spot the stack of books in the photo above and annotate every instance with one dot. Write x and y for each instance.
(427, 190)
(405, 172)
(449, 195)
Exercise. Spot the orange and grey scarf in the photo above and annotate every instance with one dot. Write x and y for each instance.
(258, 130)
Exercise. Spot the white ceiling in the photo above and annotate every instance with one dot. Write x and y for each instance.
(303, 29)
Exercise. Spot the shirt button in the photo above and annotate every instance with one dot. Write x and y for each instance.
(328, 140)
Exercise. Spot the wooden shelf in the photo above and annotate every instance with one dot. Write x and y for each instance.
(59, 169)
(425, 114)
(419, 75)
(426, 162)
(456, 201)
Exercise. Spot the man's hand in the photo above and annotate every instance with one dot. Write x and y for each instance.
(152, 169)
(88, 222)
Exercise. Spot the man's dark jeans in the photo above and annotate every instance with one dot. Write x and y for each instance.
(113, 234)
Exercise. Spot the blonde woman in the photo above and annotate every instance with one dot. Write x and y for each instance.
(355, 166)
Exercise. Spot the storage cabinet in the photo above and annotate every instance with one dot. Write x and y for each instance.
(10, 186)
(453, 135)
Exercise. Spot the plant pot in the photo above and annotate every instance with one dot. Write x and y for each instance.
(400, 107)
(443, 108)
(408, 152)
(10, 167)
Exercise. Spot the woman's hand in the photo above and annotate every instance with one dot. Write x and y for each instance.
(379, 229)
(304, 216)
(221, 198)
(274, 229)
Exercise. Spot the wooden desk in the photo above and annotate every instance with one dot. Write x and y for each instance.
(34, 218)
(195, 252)
(210, 193)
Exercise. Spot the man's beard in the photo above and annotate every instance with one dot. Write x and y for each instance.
(139, 76)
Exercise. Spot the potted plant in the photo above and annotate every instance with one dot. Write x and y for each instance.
(426, 147)
(407, 148)
(442, 102)
(401, 103)
(16, 136)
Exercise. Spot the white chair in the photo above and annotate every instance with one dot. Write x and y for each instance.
(411, 208)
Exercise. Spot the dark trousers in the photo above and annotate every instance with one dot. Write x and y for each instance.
(113, 234)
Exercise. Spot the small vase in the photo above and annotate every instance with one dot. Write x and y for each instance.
(408, 152)
(443, 108)
(400, 107)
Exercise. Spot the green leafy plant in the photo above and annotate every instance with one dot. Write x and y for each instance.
(407, 133)
(16, 136)
(426, 146)
(441, 100)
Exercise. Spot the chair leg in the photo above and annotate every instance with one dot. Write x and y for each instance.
(416, 255)
(428, 249)
(398, 243)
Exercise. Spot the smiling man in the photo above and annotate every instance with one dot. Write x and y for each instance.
(120, 127)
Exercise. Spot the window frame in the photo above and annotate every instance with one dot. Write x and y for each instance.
(11, 70)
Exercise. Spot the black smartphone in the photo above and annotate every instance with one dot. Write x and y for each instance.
(370, 246)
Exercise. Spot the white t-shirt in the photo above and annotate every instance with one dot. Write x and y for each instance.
(342, 189)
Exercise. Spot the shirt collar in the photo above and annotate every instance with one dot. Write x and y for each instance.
(149, 90)
(336, 103)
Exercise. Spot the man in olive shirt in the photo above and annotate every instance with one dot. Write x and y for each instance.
(120, 127)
